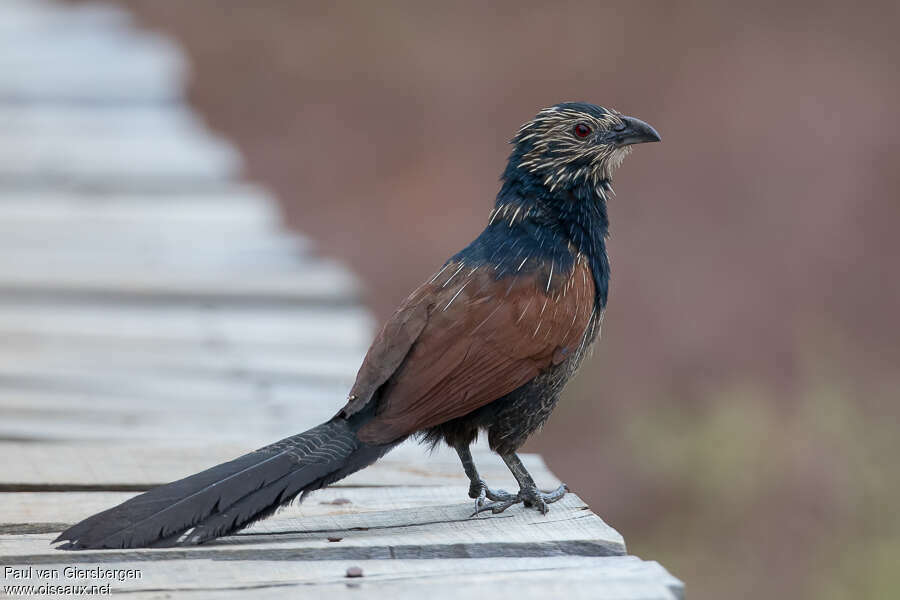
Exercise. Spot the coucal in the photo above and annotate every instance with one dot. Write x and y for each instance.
(486, 344)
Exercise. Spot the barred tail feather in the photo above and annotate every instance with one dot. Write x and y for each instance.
(230, 496)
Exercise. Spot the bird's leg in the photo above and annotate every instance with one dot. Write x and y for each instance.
(528, 494)
(478, 489)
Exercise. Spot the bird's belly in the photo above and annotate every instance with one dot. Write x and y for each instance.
(511, 419)
(520, 413)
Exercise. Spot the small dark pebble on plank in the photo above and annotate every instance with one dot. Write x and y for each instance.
(334, 539)
(354, 572)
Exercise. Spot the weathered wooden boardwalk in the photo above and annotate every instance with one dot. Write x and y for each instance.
(155, 319)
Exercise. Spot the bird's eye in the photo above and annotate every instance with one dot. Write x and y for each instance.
(581, 130)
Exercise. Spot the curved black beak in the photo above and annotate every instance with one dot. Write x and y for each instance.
(635, 131)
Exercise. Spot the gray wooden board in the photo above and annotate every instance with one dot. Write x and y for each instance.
(142, 385)
(385, 531)
(316, 327)
(117, 252)
(91, 119)
(180, 355)
(131, 465)
(109, 250)
(242, 256)
(82, 137)
(238, 210)
(30, 386)
(347, 507)
(102, 141)
(228, 224)
(318, 281)
(200, 568)
(45, 17)
(42, 401)
(440, 531)
(72, 158)
(113, 50)
(625, 577)
(66, 508)
(121, 65)
(19, 356)
(527, 585)
(230, 193)
(260, 422)
(182, 414)
(403, 524)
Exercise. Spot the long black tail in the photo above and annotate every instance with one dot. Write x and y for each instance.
(230, 496)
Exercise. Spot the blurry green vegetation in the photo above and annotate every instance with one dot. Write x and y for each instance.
(803, 493)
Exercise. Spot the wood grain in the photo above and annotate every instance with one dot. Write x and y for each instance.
(622, 577)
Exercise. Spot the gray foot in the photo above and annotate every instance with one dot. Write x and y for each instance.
(481, 492)
(529, 496)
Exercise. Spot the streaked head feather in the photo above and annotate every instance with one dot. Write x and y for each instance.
(558, 157)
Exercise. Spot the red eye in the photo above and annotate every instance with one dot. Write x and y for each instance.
(581, 130)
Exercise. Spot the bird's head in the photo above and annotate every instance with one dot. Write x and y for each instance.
(575, 144)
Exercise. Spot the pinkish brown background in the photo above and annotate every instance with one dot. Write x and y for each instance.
(739, 420)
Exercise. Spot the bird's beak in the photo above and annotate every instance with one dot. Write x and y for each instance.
(635, 132)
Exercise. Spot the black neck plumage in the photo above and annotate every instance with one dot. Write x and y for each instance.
(558, 221)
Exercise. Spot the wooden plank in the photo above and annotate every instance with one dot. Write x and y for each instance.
(19, 357)
(164, 229)
(122, 65)
(47, 18)
(92, 395)
(111, 252)
(92, 140)
(58, 510)
(529, 585)
(264, 252)
(440, 531)
(111, 249)
(318, 281)
(81, 119)
(111, 49)
(187, 385)
(506, 577)
(172, 420)
(169, 408)
(88, 354)
(216, 427)
(231, 193)
(216, 327)
(116, 466)
(72, 158)
(232, 210)
(197, 389)
(364, 519)
(169, 230)
(201, 576)
(67, 508)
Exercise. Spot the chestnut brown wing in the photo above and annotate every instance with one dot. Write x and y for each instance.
(466, 339)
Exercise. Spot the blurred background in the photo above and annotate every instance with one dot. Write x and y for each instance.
(739, 420)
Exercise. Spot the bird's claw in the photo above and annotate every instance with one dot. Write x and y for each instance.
(479, 499)
(529, 497)
(481, 493)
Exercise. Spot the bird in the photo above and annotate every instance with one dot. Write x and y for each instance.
(484, 346)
